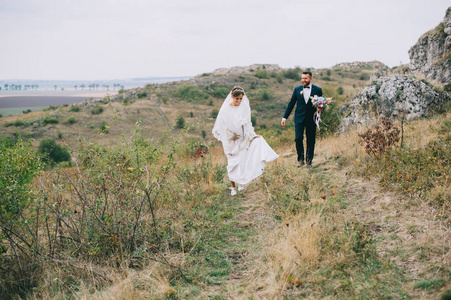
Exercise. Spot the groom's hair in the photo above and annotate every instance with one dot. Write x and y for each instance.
(308, 73)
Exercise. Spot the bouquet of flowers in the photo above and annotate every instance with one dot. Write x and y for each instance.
(322, 104)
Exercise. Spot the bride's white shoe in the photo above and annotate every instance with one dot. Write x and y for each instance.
(232, 191)
(240, 187)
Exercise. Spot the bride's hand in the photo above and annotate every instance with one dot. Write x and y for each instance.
(236, 137)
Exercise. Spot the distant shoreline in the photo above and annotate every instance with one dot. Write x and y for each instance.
(92, 95)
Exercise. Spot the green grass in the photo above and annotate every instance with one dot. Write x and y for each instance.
(12, 111)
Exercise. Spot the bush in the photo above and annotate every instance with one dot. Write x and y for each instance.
(180, 122)
(340, 90)
(364, 76)
(254, 120)
(50, 120)
(295, 74)
(332, 118)
(104, 127)
(214, 113)
(220, 92)
(381, 138)
(142, 94)
(190, 93)
(51, 152)
(262, 74)
(71, 120)
(26, 111)
(18, 123)
(75, 108)
(18, 166)
(97, 110)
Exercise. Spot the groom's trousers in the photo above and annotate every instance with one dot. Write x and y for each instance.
(310, 132)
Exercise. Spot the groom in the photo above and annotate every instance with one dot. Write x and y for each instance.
(303, 117)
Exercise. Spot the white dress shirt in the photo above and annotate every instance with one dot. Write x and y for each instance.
(307, 93)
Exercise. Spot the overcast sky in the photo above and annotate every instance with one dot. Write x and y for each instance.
(117, 39)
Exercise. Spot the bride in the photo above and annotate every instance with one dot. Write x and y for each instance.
(247, 153)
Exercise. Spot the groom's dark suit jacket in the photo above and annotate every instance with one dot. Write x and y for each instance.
(303, 110)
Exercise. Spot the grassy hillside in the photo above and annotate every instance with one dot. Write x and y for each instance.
(137, 215)
(156, 107)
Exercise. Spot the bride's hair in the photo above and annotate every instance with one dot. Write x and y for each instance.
(237, 90)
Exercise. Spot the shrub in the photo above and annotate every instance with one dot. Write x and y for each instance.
(180, 122)
(220, 92)
(97, 110)
(204, 134)
(18, 123)
(7, 141)
(340, 90)
(214, 113)
(26, 111)
(294, 74)
(142, 94)
(254, 120)
(75, 108)
(379, 139)
(50, 120)
(71, 120)
(18, 166)
(51, 152)
(262, 74)
(190, 93)
(326, 78)
(332, 118)
(104, 127)
(364, 76)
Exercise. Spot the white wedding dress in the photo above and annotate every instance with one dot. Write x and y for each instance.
(246, 156)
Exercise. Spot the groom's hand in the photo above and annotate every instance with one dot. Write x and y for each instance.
(283, 122)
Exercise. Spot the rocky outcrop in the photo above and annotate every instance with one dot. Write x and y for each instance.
(239, 70)
(431, 55)
(392, 97)
(359, 66)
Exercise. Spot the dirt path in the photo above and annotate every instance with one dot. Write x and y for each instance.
(407, 233)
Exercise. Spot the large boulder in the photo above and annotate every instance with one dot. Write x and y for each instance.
(431, 55)
(393, 97)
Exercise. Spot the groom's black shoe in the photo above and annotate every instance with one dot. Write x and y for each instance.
(300, 163)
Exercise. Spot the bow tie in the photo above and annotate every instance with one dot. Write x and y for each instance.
(306, 87)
